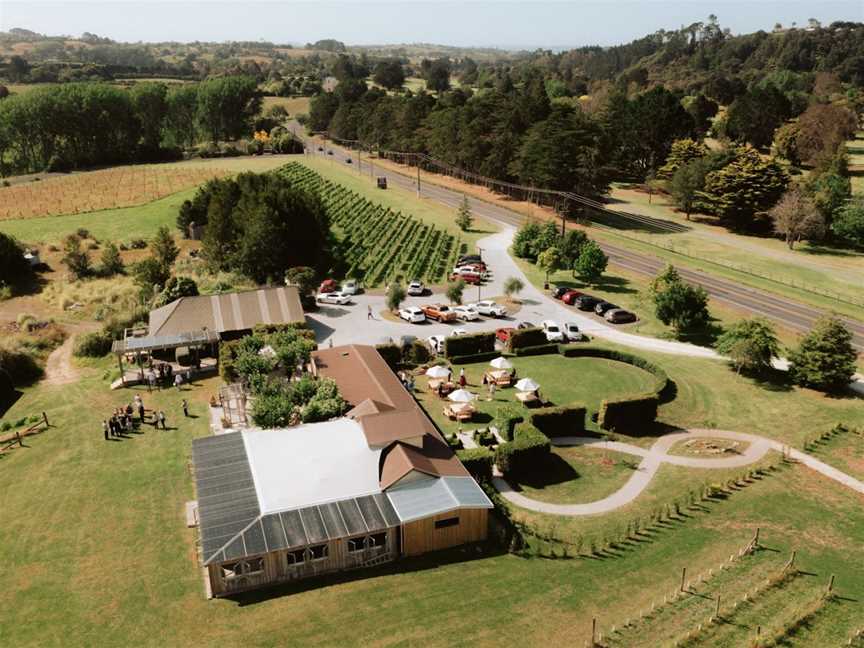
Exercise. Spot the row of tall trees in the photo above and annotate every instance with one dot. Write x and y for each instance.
(78, 125)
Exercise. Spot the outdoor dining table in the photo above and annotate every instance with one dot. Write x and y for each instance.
(498, 376)
(447, 387)
(526, 397)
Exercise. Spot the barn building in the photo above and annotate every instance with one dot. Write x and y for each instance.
(370, 487)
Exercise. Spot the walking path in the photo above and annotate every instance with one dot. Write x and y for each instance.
(658, 454)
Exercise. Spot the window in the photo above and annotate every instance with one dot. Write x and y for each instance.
(243, 568)
(317, 552)
(296, 557)
(356, 544)
(378, 540)
(446, 522)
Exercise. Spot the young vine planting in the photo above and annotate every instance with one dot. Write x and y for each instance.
(379, 246)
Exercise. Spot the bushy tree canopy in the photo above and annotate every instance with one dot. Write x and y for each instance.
(751, 345)
(825, 358)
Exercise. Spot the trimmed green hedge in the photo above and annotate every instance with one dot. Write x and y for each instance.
(478, 462)
(506, 418)
(540, 349)
(529, 337)
(634, 412)
(477, 357)
(566, 420)
(468, 345)
(628, 414)
(525, 452)
(392, 354)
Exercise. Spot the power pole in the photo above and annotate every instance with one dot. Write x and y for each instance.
(418, 178)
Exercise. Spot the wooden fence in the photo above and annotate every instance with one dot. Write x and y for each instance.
(16, 438)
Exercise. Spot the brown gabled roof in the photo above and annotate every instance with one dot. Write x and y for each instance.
(367, 408)
(233, 311)
(363, 375)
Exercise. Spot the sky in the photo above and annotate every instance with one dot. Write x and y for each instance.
(509, 24)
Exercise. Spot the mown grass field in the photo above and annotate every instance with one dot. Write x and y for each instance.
(294, 105)
(98, 553)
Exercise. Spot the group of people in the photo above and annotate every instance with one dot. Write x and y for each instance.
(162, 374)
(407, 380)
(122, 420)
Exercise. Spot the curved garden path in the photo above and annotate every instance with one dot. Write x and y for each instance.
(658, 454)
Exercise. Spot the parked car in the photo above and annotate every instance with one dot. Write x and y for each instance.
(619, 316)
(457, 332)
(438, 312)
(320, 148)
(347, 160)
(558, 291)
(489, 308)
(412, 314)
(572, 333)
(553, 331)
(469, 278)
(603, 306)
(525, 325)
(329, 152)
(585, 302)
(335, 297)
(503, 334)
(469, 258)
(469, 270)
(476, 266)
(328, 285)
(349, 287)
(416, 288)
(570, 296)
(466, 313)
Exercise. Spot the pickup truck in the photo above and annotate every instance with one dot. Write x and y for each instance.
(439, 312)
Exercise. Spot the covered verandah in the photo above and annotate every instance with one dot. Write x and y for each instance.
(138, 351)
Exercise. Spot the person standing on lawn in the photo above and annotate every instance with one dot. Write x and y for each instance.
(185, 408)
(462, 380)
(105, 428)
(162, 420)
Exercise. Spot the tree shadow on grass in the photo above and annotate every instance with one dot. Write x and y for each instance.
(551, 471)
(826, 249)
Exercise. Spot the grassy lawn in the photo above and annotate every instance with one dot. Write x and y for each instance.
(98, 552)
(577, 475)
(294, 105)
(562, 381)
(844, 451)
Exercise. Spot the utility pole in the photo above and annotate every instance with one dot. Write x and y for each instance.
(418, 178)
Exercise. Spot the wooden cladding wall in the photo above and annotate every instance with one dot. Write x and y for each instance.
(421, 536)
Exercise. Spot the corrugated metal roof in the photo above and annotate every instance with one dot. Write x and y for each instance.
(427, 497)
(149, 342)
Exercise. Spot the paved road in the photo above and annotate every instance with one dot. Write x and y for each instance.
(788, 313)
(659, 454)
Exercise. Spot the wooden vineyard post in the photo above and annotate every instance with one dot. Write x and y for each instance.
(830, 589)
(683, 577)
(593, 631)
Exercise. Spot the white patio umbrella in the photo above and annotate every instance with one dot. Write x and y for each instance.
(501, 363)
(461, 396)
(437, 372)
(527, 385)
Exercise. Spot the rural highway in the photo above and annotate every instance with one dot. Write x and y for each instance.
(790, 314)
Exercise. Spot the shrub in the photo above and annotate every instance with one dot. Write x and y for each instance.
(18, 365)
(565, 420)
(628, 413)
(478, 462)
(392, 354)
(477, 357)
(529, 337)
(92, 345)
(525, 452)
(465, 345)
(506, 419)
(418, 352)
(540, 349)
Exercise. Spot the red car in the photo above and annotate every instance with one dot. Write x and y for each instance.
(570, 296)
(504, 334)
(469, 278)
(328, 286)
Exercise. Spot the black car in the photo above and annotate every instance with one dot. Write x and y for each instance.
(586, 302)
(603, 306)
(558, 291)
(320, 148)
(468, 259)
(329, 152)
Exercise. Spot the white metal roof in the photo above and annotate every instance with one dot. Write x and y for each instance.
(311, 464)
(425, 497)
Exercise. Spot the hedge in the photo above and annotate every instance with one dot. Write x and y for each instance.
(477, 357)
(302, 329)
(628, 414)
(506, 419)
(565, 420)
(467, 345)
(478, 462)
(92, 345)
(528, 337)
(227, 356)
(539, 349)
(525, 452)
(392, 354)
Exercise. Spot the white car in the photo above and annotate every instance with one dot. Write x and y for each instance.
(412, 314)
(416, 288)
(335, 297)
(470, 270)
(349, 287)
(553, 331)
(466, 313)
(489, 308)
(572, 332)
(457, 332)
